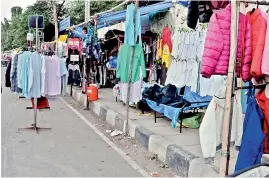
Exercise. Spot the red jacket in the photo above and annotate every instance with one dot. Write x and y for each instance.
(263, 102)
(258, 29)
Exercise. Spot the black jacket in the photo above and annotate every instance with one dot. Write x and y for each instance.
(198, 10)
(8, 83)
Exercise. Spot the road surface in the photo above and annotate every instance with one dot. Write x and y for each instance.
(74, 146)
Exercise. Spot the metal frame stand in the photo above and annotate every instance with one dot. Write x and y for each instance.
(181, 114)
(33, 126)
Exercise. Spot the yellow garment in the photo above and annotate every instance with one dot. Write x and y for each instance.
(63, 38)
(159, 49)
(166, 56)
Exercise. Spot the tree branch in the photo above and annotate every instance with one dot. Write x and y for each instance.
(60, 8)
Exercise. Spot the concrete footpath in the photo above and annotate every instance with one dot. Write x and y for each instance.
(180, 151)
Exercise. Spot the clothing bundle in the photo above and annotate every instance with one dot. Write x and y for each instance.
(252, 60)
(35, 75)
(167, 95)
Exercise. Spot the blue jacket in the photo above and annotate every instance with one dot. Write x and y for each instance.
(251, 149)
(129, 36)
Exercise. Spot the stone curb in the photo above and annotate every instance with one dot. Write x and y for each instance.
(181, 161)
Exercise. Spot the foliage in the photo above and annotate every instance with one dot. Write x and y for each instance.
(15, 11)
(14, 31)
(76, 9)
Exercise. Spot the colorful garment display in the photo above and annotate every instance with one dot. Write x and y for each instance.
(36, 75)
(217, 45)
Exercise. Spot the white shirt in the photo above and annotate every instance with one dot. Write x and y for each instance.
(43, 76)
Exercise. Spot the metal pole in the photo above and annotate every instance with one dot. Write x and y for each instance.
(89, 10)
(226, 129)
(86, 10)
(36, 46)
(125, 129)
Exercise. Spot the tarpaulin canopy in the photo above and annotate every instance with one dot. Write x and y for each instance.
(112, 18)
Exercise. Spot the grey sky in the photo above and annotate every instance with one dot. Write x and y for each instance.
(6, 6)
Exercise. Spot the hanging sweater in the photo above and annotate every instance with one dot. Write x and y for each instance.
(263, 101)
(124, 61)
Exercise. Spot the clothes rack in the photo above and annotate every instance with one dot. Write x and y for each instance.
(252, 86)
(264, 3)
(34, 125)
(230, 87)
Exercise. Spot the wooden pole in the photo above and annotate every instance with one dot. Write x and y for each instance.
(226, 129)
(125, 129)
(56, 25)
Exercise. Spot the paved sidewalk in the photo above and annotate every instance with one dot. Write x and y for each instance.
(181, 151)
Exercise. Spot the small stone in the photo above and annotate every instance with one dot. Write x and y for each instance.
(153, 157)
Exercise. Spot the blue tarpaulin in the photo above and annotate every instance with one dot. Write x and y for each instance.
(173, 113)
(111, 18)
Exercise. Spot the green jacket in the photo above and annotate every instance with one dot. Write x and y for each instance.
(124, 60)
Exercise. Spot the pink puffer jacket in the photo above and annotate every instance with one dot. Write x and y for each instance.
(217, 46)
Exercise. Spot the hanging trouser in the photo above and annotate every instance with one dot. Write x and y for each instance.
(77, 77)
(70, 77)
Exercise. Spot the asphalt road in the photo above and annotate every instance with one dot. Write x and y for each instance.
(71, 148)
